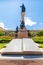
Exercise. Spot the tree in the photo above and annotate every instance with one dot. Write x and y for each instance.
(2, 33)
(40, 33)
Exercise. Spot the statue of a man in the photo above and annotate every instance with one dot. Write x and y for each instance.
(22, 16)
(23, 8)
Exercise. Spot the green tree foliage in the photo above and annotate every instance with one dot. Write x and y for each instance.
(11, 33)
(2, 33)
(40, 33)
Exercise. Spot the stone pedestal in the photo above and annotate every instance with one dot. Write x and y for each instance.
(23, 33)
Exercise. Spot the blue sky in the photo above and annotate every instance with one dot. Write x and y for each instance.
(10, 14)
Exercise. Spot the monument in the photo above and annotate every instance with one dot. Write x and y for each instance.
(22, 33)
(22, 44)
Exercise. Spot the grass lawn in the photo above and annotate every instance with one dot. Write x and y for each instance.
(41, 45)
(2, 45)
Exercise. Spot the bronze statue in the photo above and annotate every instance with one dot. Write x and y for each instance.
(23, 8)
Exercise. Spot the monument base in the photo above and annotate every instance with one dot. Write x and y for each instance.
(22, 33)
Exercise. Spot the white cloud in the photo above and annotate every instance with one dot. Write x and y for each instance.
(2, 24)
(6, 28)
(29, 22)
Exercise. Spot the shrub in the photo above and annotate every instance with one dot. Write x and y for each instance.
(38, 39)
(40, 33)
(5, 39)
(32, 34)
(2, 33)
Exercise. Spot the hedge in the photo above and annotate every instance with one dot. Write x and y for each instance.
(38, 39)
(5, 39)
(40, 33)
